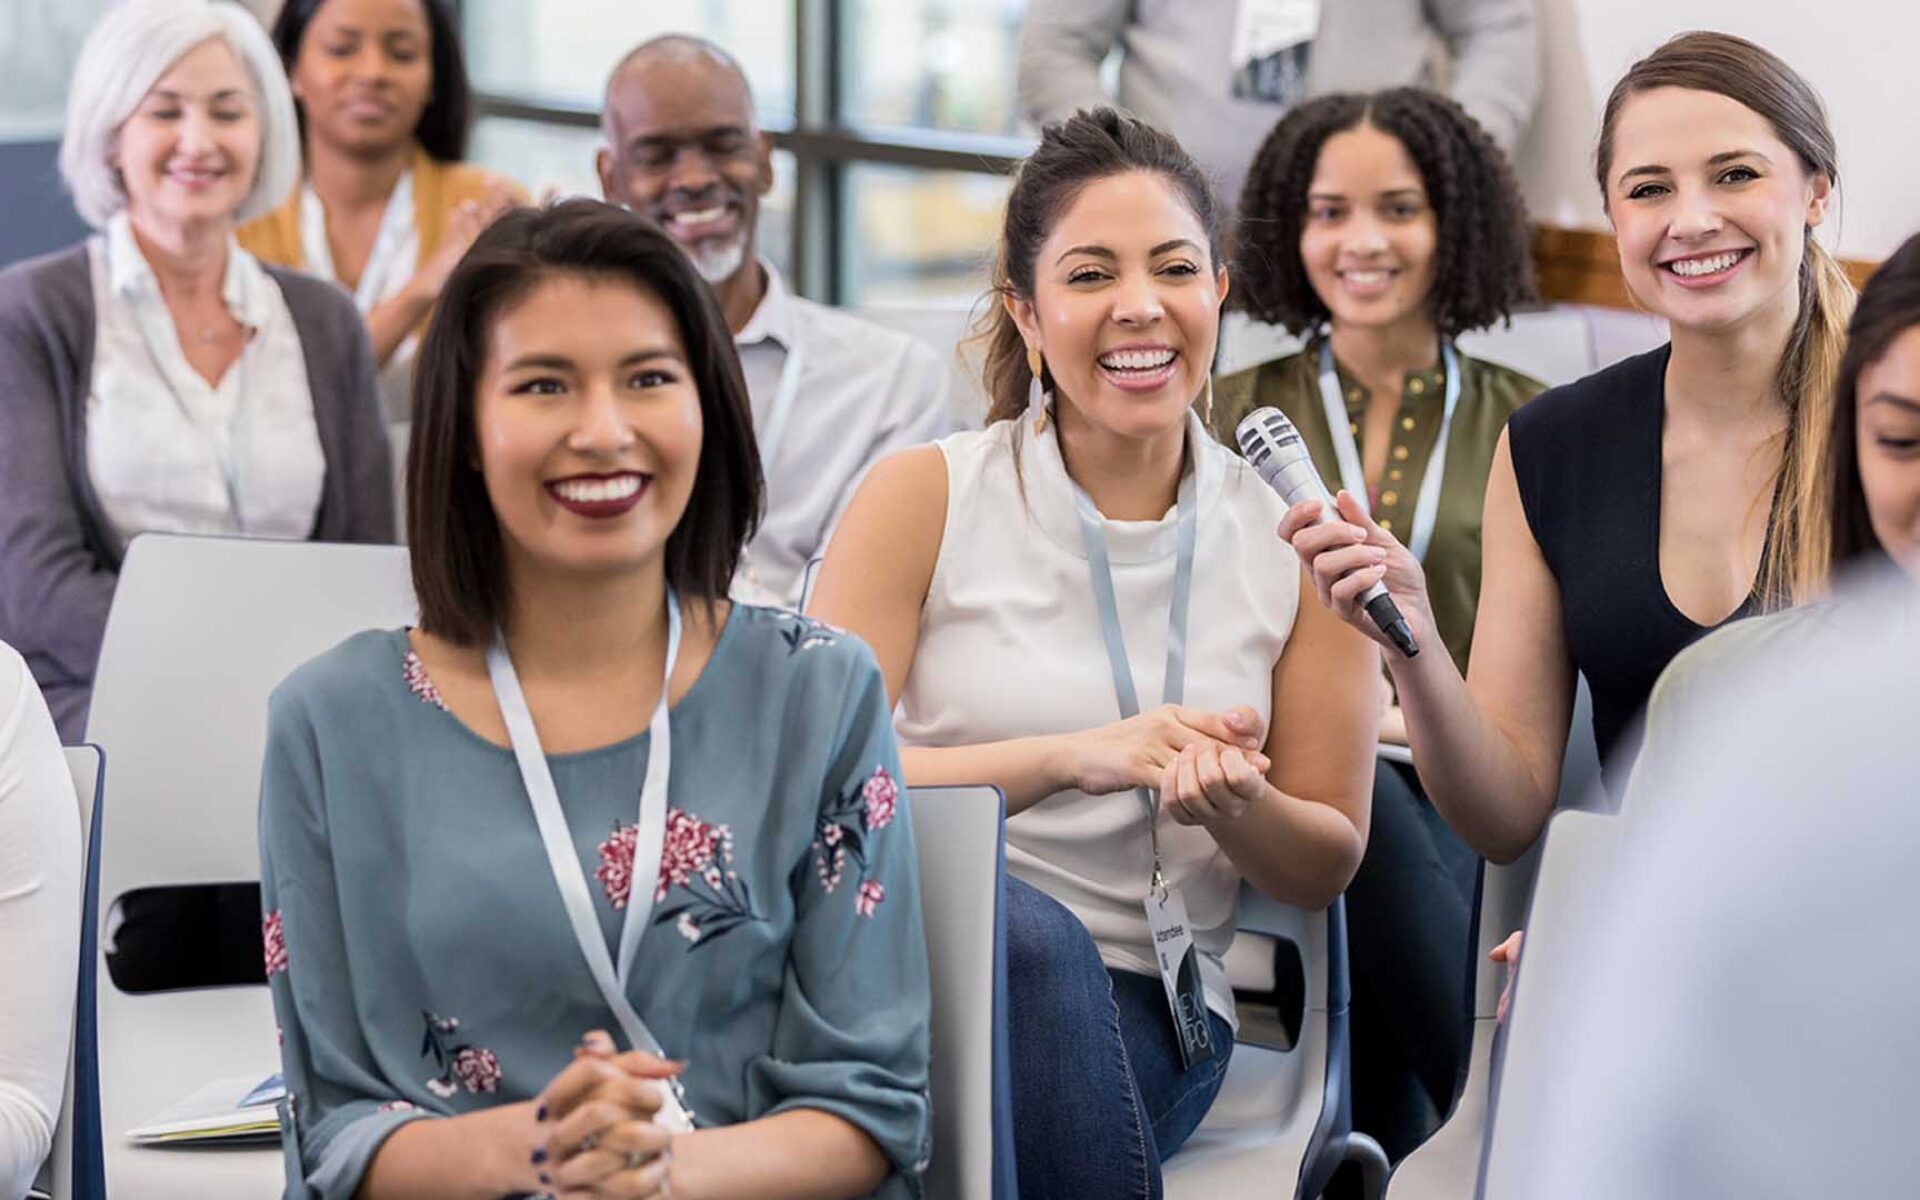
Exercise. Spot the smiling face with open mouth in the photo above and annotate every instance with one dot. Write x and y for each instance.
(1710, 209)
(1369, 236)
(190, 150)
(588, 426)
(685, 151)
(1126, 305)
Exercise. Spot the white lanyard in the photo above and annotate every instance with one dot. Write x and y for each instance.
(1426, 511)
(163, 349)
(568, 874)
(781, 413)
(1093, 538)
(374, 278)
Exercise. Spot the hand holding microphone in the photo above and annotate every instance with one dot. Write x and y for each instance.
(1358, 568)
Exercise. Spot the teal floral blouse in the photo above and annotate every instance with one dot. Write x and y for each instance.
(420, 958)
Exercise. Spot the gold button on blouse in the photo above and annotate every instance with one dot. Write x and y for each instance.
(1353, 427)
(1406, 423)
(1395, 474)
(1389, 498)
(1386, 523)
(1416, 385)
(1399, 454)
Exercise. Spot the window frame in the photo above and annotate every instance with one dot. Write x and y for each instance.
(824, 145)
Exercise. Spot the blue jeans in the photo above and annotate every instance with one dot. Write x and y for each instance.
(1099, 1096)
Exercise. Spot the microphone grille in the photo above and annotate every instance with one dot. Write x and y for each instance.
(1263, 433)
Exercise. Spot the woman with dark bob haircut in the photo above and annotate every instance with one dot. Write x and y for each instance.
(1382, 226)
(514, 944)
(386, 206)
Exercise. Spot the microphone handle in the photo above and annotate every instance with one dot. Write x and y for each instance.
(1379, 604)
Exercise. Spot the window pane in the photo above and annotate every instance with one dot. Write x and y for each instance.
(562, 53)
(920, 235)
(932, 64)
(543, 156)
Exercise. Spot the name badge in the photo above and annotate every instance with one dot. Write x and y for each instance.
(1272, 44)
(1180, 975)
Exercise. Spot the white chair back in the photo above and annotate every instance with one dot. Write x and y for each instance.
(1575, 864)
(962, 869)
(1446, 1165)
(200, 633)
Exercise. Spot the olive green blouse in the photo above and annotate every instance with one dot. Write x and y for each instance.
(1488, 395)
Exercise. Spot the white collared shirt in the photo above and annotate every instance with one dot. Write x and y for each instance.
(169, 452)
(390, 267)
(862, 393)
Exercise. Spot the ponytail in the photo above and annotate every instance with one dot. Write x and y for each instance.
(1799, 553)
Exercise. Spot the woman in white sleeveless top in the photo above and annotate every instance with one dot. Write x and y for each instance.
(975, 569)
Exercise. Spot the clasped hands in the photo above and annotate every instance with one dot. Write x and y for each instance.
(596, 1138)
(1208, 766)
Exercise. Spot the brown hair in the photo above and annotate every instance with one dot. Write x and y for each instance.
(1090, 145)
(458, 570)
(1483, 258)
(1889, 306)
(1799, 554)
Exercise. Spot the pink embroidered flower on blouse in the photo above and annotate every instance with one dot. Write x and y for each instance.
(419, 682)
(615, 871)
(274, 939)
(688, 851)
(478, 1070)
(396, 1106)
(868, 901)
(882, 797)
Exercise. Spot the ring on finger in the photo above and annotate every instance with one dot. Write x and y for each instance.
(589, 1142)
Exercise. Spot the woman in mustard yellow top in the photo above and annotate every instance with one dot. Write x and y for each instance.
(387, 207)
(1381, 226)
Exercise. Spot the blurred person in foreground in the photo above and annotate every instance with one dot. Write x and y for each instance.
(1217, 74)
(831, 393)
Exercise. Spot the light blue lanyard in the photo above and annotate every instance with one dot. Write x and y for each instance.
(1093, 537)
(1426, 511)
(649, 836)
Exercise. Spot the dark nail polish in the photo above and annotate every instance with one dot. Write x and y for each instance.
(544, 1181)
(540, 1114)
(539, 1155)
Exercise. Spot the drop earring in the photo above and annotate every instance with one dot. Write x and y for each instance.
(1036, 392)
(1206, 402)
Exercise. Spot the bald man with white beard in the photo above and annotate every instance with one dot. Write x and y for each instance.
(831, 393)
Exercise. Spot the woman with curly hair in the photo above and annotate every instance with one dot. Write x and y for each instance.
(1382, 226)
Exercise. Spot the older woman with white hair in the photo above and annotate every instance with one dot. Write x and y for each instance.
(157, 377)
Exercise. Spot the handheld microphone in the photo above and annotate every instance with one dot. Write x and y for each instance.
(1273, 448)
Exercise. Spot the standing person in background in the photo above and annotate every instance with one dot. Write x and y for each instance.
(387, 207)
(831, 393)
(1630, 513)
(40, 870)
(1218, 73)
(1028, 587)
(1383, 226)
(159, 377)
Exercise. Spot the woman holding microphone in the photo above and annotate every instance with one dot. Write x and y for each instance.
(1630, 513)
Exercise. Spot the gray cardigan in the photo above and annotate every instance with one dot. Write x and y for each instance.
(59, 558)
(1174, 70)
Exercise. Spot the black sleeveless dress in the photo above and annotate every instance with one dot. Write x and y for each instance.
(1587, 457)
